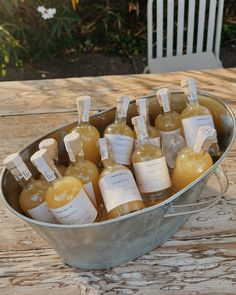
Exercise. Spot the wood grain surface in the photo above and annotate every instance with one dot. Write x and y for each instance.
(199, 259)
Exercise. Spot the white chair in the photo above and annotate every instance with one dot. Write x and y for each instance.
(190, 52)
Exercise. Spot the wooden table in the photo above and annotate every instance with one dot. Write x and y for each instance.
(199, 259)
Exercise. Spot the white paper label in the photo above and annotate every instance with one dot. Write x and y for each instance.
(90, 191)
(118, 188)
(78, 211)
(154, 141)
(122, 147)
(191, 126)
(164, 99)
(142, 105)
(20, 165)
(170, 133)
(86, 108)
(42, 213)
(103, 148)
(43, 167)
(152, 176)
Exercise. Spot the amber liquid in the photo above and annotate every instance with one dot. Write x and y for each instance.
(189, 166)
(63, 191)
(168, 122)
(89, 135)
(147, 152)
(119, 127)
(33, 195)
(124, 208)
(86, 172)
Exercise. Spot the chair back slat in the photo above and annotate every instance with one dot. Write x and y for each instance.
(201, 23)
(180, 27)
(219, 27)
(211, 25)
(191, 19)
(170, 27)
(150, 29)
(159, 30)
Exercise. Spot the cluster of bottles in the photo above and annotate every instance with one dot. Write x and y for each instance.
(140, 168)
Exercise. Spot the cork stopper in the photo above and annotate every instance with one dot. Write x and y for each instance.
(73, 145)
(140, 126)
(142, 106)
(163, 97)
(189, 88)
(83, 106)
(42, 161)
(51, 145)
(122, 105)
(206, 136)
(16, 166)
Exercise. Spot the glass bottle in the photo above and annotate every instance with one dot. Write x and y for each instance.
(51, 145)
(119, 190)
(150, 167)
(169, 125)
(120, 135)
(153, 133)
(195, 116)
(32, 197)
(89, 134)
(85, 170)
(65, 197)
(193, 162)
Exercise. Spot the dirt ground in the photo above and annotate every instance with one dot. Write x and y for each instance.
(97, 65)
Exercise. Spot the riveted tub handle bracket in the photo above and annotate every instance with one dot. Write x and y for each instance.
(177, 210)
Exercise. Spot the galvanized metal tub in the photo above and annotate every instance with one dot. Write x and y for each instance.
(113, 242)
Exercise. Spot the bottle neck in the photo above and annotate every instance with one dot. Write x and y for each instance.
(191, 102)
(78, 159)
(119, 119)
(23, 182)
(83, 123)
(164, 113)
(107, 163)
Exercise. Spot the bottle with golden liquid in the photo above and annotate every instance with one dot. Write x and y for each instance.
(195, 116)
(51, 145)
(153, 133)
(85, 170)
(193, 162)
(120, 135)
(66, 198)
(32, 197)
(119, 190)
(169, 125)
(150, 167)
(89, 133)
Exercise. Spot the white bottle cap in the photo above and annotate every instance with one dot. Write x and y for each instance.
(83, 106)
(163, 99)
(41, 160)
(206, 136)
(189, 88)
(142, 106)
(51, 145)
(73, 145)
(16, 166)
(122, 105)
(140, 126)
(103, 146)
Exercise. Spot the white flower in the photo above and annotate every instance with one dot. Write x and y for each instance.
(46, 13)
(41, 9)
(51, 12)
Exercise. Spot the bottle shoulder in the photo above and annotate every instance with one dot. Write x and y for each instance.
(193, 111)
(119, 128)
(146, 152)
(87, 130)
(168, 122)
(110, 169)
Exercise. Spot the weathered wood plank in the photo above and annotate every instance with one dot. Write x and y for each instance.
(44, 96)
(199, 259)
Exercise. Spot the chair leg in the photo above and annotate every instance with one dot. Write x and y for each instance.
(146, 70)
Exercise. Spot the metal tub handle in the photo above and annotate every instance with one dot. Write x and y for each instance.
(177, 210)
